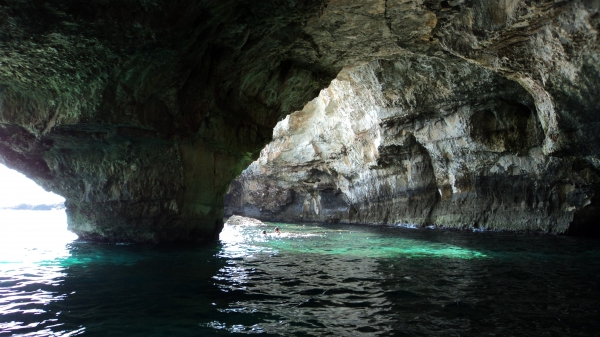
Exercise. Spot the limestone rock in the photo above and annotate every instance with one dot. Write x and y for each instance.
(417, 140)
(237, 220)
(140, 113)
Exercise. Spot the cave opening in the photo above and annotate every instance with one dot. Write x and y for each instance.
(34, 222)
(400, 193)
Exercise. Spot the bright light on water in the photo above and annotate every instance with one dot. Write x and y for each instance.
(28, 237)
(334, 240)
(16, 189)
(311, 280)
(32, 244)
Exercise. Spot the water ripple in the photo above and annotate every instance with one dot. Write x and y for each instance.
(313, 280)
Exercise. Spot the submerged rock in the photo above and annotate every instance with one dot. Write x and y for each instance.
(140, 113)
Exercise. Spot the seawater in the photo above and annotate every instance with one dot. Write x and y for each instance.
(311, 280)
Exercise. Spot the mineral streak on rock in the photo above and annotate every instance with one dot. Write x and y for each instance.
(141, 112)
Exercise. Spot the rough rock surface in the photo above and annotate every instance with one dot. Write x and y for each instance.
(480, 140)
(141, 112)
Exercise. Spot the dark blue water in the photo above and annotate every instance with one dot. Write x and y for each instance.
(313, 280)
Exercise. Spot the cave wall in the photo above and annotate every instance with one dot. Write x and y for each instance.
(418, 141)
(141, 112)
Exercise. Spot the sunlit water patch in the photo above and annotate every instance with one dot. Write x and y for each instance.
(33, 236)
(310, 280)
(31, 243)
(354, 241)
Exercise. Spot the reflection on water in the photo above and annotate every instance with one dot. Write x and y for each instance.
(30, 269)
(30, 237)
(338, 240)
(311, 280)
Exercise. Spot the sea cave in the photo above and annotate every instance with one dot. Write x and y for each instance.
(380, 120)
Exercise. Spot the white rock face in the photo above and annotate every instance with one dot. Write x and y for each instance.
(416, 140)
(237, 220)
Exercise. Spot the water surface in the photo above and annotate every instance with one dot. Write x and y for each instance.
(312, 280)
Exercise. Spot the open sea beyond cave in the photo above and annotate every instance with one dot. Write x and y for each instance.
(312, 280)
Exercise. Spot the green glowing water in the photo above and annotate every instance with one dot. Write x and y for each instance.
(336, 240)
(310, 280)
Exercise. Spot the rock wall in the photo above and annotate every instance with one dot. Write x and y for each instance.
(418, 141)
(141, 112)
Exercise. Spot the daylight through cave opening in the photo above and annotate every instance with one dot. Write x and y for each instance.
(32, 219)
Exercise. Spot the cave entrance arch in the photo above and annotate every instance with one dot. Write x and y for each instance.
(33, 221)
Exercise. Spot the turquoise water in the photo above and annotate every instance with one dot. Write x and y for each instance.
(312, 280)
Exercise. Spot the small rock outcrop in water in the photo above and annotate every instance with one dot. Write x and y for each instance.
(237, 220)
(140, 113)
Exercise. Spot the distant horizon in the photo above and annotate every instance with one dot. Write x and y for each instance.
(35, 207)
(16, 189)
